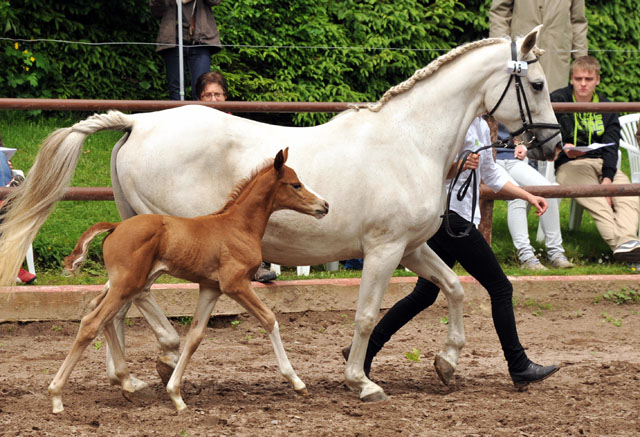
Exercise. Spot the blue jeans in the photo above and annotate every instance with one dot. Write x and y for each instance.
(5, 171)
(197, 60)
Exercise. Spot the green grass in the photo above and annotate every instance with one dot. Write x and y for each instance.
(59, 234)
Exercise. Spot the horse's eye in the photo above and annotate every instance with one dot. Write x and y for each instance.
(537, 86)
(296, 186)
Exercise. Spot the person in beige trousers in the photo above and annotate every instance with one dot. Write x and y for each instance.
(616, 217)
(563, 36)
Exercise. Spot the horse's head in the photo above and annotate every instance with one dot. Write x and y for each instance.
(292, 194)
(519, 98)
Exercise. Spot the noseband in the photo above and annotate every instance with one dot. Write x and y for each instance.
(519, 69)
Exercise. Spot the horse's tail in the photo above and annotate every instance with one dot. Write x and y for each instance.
(29, 205)
(73, 262)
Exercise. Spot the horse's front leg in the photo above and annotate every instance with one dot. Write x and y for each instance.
(424, 262)
(379, 265)
(241, 291)
(206, 301)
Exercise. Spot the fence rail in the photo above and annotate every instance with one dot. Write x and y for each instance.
(276, 107)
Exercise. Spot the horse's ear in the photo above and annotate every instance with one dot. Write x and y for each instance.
(280, 159)
(530, 40)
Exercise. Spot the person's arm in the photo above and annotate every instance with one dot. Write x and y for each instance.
(539, 203)
(500, 16)
(579, 27)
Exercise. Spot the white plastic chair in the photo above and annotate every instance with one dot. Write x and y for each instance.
(30, 264)
(332, 266)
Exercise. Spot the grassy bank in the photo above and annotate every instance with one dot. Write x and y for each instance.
(59, 234)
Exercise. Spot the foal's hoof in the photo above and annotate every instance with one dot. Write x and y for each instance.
(378, 396)
(444, 369)
(164, 371)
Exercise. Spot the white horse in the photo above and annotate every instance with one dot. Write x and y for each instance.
(382, 167)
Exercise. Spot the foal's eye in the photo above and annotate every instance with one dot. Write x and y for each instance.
(537, 86)
(296, 186)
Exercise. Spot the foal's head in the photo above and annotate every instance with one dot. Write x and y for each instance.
(292, 194)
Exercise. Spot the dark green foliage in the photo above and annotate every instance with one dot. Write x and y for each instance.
(332, 50)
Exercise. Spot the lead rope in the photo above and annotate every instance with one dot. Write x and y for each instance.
(462, 192)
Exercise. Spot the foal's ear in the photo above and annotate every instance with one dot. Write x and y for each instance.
(281, 158)
(530, 40)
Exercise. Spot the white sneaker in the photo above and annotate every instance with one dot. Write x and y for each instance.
(628, 252)
(561, 262)
(533, 264)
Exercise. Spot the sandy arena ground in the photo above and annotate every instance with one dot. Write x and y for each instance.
(233, 388)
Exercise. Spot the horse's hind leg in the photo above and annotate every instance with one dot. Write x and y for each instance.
(89, 328)
(245, 296)
(206, 301)
(166, 335)
(424, 262)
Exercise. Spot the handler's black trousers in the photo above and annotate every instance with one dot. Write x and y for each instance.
(475, 255)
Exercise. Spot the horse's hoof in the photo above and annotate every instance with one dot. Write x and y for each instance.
(378, 396)
(164, 371)
(303, 392)
(444, 369)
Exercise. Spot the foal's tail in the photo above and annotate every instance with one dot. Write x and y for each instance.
(73, 262)
(29, 205)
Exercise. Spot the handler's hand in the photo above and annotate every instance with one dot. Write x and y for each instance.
(520, 152)
(472, 162)
(539, 203)
(607, 181)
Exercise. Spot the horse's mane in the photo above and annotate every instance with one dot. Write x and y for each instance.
(427, 71)
(240, 186)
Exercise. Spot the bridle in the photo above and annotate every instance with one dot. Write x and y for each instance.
(517, 70)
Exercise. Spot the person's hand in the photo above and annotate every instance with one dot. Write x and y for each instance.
(539, 203)
(572, 153)
(10, 165)
(607, 181)
(472, 162)
(520, 152)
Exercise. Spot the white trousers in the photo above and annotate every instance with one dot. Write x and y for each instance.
(522, 174)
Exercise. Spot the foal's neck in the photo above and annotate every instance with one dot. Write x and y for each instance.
(254, 205)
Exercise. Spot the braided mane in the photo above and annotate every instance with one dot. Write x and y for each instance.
(427, 71)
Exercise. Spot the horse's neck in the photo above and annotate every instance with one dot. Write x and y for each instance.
(253, 206)
(442, 106)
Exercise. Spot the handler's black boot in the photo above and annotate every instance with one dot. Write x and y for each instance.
(532, 373)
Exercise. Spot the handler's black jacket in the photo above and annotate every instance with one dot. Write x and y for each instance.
(606, 129)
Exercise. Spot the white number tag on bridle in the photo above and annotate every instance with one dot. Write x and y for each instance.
(518, 68)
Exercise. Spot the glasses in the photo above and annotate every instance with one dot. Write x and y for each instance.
(209, 96)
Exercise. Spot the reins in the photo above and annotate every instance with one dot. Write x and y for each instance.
(518, 69)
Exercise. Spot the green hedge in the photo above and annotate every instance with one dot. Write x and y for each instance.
(334, 50)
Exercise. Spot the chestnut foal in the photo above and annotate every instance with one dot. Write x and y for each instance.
(221, 252)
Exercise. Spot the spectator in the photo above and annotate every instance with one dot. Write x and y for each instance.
(564, 32)
(200, 39)
(513, 162)
(212, 87)
(8, 179)
(475, 255)
(616, 218)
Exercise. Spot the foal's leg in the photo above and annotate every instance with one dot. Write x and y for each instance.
(378, 267)
(424, 262)
(206, 301)
(242, 293)
(90, 326)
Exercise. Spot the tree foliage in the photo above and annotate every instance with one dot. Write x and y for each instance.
(276, 50)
